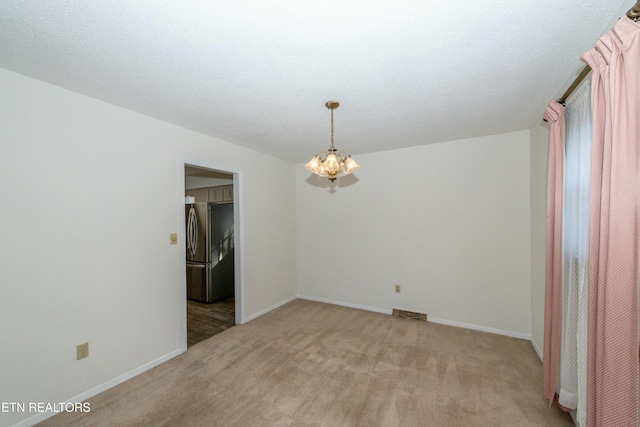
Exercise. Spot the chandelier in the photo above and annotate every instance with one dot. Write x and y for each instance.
(333, 164)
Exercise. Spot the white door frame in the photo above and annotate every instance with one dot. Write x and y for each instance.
(238, 221)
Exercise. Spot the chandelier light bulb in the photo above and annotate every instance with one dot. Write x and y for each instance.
(314, 164)
(350, 165)
(331, 163)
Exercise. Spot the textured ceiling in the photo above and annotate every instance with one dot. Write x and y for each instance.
(258, 74)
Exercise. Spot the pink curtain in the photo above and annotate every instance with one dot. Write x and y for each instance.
(554, 114)
(612, 358)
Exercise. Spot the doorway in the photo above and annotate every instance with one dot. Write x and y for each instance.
(211, 279)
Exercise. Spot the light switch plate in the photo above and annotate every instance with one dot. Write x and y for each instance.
(173, 238)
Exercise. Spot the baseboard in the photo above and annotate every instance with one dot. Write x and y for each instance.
(346, 304)
(103, 387)
(268, 309)
(429, 318)
(479, 328)
(534, 344)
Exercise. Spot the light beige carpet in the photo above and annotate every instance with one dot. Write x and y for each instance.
(314, 364)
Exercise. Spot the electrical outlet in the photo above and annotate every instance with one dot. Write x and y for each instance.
(82, 351)
(397, 287)
(173, 238)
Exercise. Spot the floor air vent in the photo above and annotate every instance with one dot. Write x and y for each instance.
(409, 314)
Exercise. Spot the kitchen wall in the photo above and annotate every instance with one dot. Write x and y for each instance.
(90, 195)
(202, 182)
(449, 222)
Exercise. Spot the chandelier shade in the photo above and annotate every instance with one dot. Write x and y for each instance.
(331, 163)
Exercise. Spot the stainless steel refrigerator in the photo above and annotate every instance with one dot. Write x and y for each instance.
(210, 272)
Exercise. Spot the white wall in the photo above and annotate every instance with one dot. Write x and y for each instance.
(539, 151)
(450, 222)
(76, 265)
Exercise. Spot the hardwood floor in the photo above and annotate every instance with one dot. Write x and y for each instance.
(206, 320)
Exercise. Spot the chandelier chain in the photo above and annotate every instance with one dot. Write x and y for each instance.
(332, 129)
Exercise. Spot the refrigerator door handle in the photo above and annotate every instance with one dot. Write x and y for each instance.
(192, 232)
(196, 266)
